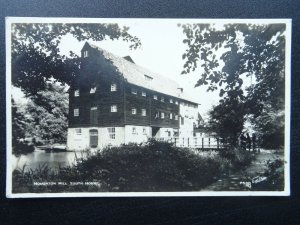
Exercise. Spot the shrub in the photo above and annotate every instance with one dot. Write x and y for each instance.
(238, 158)
(22, 147)
(155, 166)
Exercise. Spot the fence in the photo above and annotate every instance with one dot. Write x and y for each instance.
(197, 143)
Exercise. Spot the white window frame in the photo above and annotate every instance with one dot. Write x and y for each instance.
(111, 132)
(133, 91)
(155, 97)
(144, 94)
(162, 115)
(134, 130)
(176, 117)
(76, 112)
(133, 111)
(176, 102)
(156, 115)
(171, 116)
(113, 87)
(78, 131)
(171, 100)
(113, 108)
(144, 112)
(94, 108)
(76, 93)
(93, 90)
(162, 99)
(85, 54)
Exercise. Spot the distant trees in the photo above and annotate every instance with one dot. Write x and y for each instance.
(42, 120)
(227, 56)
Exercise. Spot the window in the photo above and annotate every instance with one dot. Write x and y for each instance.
(176, 117)
(76, 112)
(144, 131)
(155, 97)
(93, 90)
(113, 108)
(85, 54)
(144, 112)
(76, 93)
(176, 102)
(182, 120)
(78, 131)
(144, 94)
(112, 132)
(133, 91)
(156, 115)
(148, 78)
(171, 100)
(162, 115)
(162, 99)
(134, 130)
(133, 111)
(113, 87)
(171, 116)
(93, 116)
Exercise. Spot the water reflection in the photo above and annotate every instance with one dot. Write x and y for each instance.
(51, 159)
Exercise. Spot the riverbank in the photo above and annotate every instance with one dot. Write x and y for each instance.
(157, 166)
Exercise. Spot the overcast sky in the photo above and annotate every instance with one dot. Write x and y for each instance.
(161, 52)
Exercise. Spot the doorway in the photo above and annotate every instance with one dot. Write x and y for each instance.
(93, 138)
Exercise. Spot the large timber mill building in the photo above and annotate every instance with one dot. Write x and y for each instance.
(113, 101)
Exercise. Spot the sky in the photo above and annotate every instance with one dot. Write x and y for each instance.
(161, 52)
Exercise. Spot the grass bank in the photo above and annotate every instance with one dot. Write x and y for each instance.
(155, 166)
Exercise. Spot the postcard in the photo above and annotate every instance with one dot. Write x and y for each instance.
(147, 107)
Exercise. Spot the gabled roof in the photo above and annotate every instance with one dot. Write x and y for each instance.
(141, 76)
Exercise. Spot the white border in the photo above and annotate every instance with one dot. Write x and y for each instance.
(9, 194)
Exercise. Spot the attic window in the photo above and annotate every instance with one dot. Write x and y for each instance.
(76, 93)
(93, 90)
(148, 78)
(133, 91)
(85, 54)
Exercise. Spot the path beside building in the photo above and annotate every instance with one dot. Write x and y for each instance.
(239, 181)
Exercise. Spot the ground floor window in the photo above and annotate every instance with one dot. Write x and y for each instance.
(144, 131)
(112, 132)
(78, 131)
(134, 130)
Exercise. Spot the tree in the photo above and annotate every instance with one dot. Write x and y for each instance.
(227, 120)
(48, 111)
(233, 52)
(19, 129)
(35, 54)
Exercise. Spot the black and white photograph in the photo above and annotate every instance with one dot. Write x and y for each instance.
(147, 107)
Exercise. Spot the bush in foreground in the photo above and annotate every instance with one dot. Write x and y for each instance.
(156, 166)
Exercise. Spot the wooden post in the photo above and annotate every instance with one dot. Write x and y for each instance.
(218, 143)
(202, 143)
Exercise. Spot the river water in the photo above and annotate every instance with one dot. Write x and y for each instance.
(40, 158)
